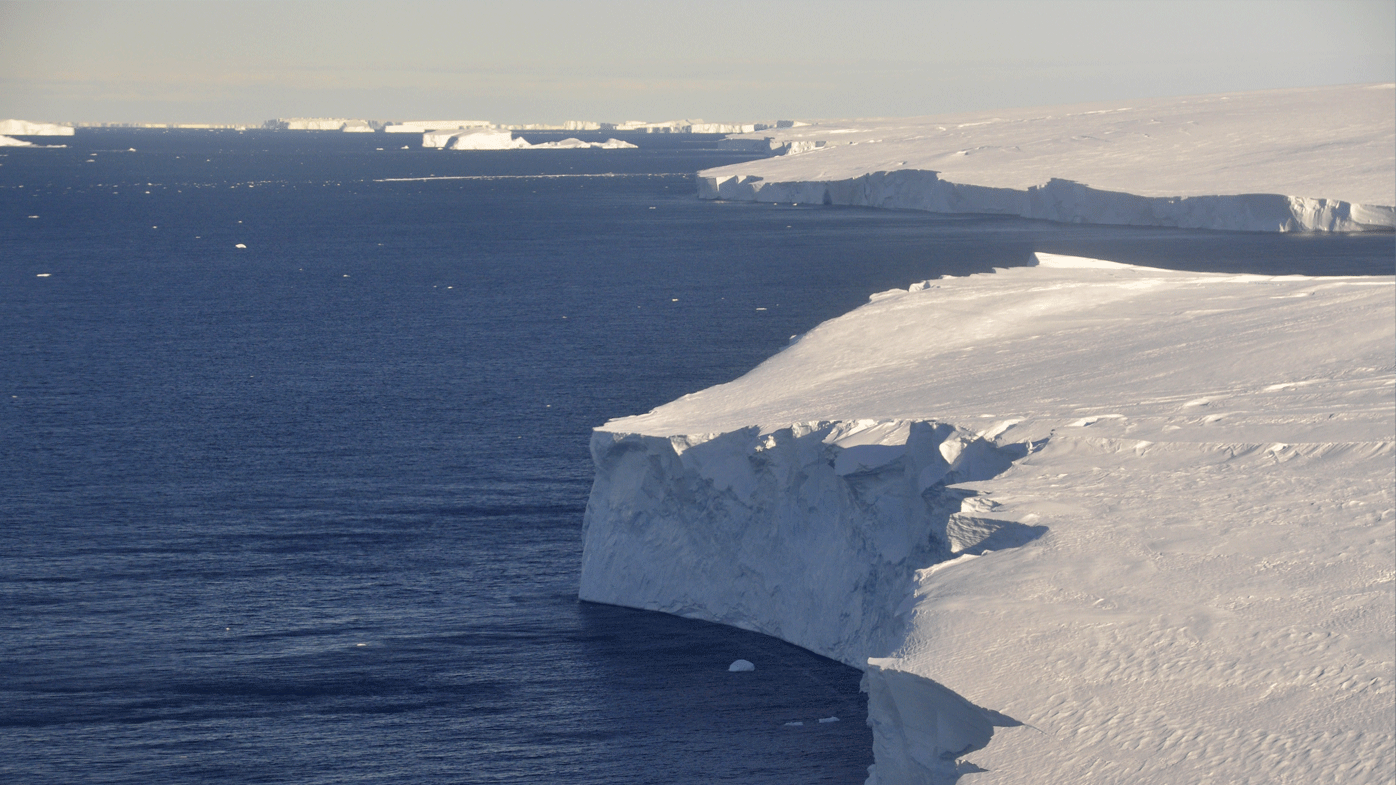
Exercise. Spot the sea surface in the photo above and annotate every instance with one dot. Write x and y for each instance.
(293, 451)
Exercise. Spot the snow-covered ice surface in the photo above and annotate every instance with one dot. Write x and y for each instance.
(1077, 522)
(1313, 159)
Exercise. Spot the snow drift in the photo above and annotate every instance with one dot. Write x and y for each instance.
(1319, 159)
(1078, 522)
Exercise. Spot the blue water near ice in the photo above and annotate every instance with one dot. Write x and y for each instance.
(310, 511)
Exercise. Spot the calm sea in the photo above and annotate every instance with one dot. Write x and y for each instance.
(310, 510)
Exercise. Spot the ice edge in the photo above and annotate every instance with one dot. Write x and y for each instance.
(1059, 200)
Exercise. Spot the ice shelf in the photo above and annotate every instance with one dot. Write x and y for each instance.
(1078, 522)
(1314, 159)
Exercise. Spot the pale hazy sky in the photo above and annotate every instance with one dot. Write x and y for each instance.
(537, 61)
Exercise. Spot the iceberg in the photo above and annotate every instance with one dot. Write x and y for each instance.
(1313, 159)
(26, 128)
(1075, 522)
(505, 140)
(10, 141)
(472, 140)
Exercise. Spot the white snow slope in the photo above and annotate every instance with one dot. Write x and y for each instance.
(1079, 522)
(1313, 159)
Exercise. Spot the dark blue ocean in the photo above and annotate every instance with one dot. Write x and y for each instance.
(310, 510)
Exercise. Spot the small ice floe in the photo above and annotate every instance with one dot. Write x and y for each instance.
(365, 644)
(741, 666)
(240, 245)
(826, 720)
(33, 216)
(42, 275)
(795, 724)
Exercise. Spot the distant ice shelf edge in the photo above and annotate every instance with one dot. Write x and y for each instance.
(1059, 200)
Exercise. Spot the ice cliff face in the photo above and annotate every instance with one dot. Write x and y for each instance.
(1059, 200)
(1318, 159)
(26, 128)
(809, 532)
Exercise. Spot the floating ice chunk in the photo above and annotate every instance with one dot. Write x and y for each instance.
(795, 724)
(827, 720)
(10, 141)
(741, 666)
(42, 275)
(239, 245)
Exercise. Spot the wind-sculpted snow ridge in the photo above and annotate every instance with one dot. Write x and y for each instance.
(1319, 159)
(1077, 522)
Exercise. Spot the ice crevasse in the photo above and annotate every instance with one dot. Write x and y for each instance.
(1075, 522)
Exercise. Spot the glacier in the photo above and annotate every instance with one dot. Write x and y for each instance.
(1311, 160)
(1075, 522)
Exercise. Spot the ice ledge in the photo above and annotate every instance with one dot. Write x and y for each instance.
(1058, 200)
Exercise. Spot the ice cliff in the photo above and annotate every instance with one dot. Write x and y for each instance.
(1077, 522)
(26, 128)
(1317, 159)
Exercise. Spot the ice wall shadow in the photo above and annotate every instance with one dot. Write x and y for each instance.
(921, 729)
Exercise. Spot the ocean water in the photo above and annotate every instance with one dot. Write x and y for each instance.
(310, 510)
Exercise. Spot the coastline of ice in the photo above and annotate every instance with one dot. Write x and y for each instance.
(1313, 159)
(1080, 522)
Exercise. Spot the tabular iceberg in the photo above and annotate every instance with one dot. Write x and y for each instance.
(26, 128)
(1317, 159)
(505, 140)
(1077, 522)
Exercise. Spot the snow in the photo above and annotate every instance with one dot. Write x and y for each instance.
(1076, 522)
(26, 128)
(1312, 159)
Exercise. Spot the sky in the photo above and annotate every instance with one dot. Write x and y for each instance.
(541, 61)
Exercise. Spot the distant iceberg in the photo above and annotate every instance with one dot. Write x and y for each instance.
(26, 128)
(505, 140)
(10, 141)
(421, 126)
